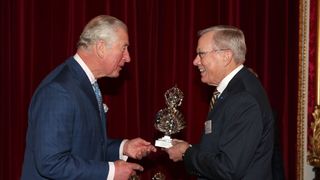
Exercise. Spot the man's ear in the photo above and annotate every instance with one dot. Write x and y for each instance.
(227, 57)
(100, 48)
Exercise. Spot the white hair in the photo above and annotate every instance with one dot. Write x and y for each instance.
(228, 37)
(102, 27)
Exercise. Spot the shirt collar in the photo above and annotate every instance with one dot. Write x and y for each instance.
(85, 68)
(225, 81)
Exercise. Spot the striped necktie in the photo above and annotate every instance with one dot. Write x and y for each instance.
(214, 98)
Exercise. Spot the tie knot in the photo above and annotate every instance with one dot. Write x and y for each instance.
(96, 87)
(97, 91)
(215, 96)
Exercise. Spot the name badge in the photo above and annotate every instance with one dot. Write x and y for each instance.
(208, 127)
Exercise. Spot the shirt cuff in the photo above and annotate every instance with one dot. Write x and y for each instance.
(121, 155)
(111, 171)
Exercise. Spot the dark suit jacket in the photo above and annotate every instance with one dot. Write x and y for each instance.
(241, 143)
(65, 136)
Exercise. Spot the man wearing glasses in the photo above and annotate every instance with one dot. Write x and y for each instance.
(237, 141)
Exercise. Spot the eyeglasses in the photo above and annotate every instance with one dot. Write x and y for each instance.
(202, 54)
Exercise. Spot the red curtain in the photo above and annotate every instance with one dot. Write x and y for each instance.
(38, 35)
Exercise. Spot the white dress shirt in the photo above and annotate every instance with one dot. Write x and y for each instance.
(225, 81)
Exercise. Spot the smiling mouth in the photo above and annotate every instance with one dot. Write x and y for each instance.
(202, 70)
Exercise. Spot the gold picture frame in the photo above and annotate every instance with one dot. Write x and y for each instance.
(303, 130)
(302, 85)
(314, 139)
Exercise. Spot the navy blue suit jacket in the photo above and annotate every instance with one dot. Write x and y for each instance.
(66, 138)
(241, 143)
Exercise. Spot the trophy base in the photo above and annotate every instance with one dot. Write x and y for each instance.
(164, 142)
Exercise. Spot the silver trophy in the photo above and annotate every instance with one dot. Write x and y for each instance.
(169, 120)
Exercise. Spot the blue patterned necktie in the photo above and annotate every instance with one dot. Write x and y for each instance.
(97, 92)
(99, 97)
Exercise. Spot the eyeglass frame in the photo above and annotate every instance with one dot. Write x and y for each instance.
(202, 54)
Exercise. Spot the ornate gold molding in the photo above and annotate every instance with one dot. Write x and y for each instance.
(303, 84)
(314, 154)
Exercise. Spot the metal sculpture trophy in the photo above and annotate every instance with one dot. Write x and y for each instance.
(169, 120)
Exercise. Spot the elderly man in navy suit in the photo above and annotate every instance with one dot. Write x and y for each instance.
(237, 142)
(66, 137)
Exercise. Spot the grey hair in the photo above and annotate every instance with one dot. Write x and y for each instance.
(102, 27)
(228, 37)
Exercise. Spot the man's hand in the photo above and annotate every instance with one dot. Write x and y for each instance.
(177, 150)
(138, 148)
(123, 169)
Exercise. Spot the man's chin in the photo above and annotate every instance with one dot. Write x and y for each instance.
(204, 80)
(114, 75)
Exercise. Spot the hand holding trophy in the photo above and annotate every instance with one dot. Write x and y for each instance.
(169, 120)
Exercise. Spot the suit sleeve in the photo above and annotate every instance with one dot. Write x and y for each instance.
(240, 136)
(52, 116)
(112, 152)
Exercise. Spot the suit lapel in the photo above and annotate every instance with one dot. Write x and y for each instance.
(85, 85)
(231, 87)
(83, 80)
